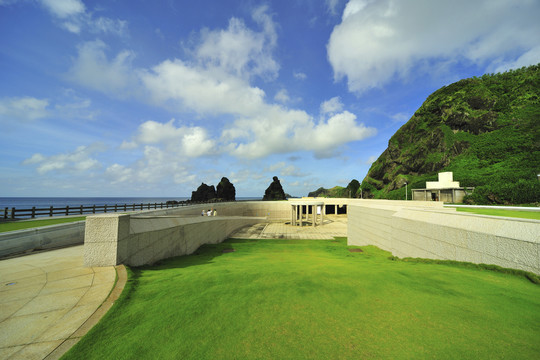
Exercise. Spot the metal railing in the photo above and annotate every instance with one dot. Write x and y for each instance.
(14, 213)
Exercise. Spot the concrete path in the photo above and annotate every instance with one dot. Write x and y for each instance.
(46, 300)
(334, 226)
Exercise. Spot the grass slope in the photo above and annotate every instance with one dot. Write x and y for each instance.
(287, 299)
(21, 225)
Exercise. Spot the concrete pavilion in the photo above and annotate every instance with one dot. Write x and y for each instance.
(301, 210)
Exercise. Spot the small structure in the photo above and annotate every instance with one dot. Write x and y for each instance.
(446, 190)
(297, 211)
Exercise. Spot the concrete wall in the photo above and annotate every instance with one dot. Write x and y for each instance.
(273, 210)
(113, 239)
(433, 233)
(46, 237)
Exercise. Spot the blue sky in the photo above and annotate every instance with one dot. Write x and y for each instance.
(151, 98)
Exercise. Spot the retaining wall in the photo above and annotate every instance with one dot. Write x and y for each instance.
(40, 238)
(446, 234)
(136, 240)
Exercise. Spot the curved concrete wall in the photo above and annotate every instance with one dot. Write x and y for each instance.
(136, 240)
(446, 234)
(40, 238)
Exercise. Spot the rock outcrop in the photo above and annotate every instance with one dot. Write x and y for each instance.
(226, 190)
(274, 191)
(204, 193)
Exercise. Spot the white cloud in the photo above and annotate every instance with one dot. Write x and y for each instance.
(378, 41)
(64, 8)
(93, 69)
(155, 166)
(74, 18)
(77, 161)
(371, 159)
(282, 96)
(530, 57)
(201, 90)
(239, 50)
(300, 76)
(119, 174)
(106, 25)
(183, 141)
(217, 83)
(332, 6)
(332, 106)
(279, 130)
(284, 169)
(401, 117)
(27, 108)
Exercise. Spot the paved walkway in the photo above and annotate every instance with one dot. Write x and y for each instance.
(334, 226)
(46, 300)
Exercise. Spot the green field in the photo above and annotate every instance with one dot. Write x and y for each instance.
(314, 299)
(503, 212)
(28, 224)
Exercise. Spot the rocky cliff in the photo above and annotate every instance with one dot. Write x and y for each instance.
(486, 130)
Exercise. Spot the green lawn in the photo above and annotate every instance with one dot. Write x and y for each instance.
(503, 212)
(28, 224)
(309, 299)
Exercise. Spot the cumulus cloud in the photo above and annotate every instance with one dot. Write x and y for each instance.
(279, 130)
(155, 166)
(26, 108)
(77, 161)
(239, 50)
(181, 141)
(216, 81)
(332, 106)
(379, 41)
(199, 89)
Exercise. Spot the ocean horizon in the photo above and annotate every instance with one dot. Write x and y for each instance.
(46, 202)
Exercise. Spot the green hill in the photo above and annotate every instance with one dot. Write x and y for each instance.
(486, 130)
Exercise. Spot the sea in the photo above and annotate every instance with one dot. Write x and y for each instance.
(46, 202)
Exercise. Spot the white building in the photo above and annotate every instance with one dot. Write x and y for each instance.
(446, 189)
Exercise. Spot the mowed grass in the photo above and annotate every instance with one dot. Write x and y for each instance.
(28, 224)
(503, 212)
(309, 299)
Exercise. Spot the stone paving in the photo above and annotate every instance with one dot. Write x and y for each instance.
(45, 298)
(334, 226)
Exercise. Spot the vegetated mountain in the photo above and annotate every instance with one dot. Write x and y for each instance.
(352, 190)
(486, 130)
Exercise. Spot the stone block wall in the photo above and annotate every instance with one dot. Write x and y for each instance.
(446, 234)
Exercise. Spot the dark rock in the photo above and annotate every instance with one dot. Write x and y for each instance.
(204, 193)
(226, 190)
(274, 191)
